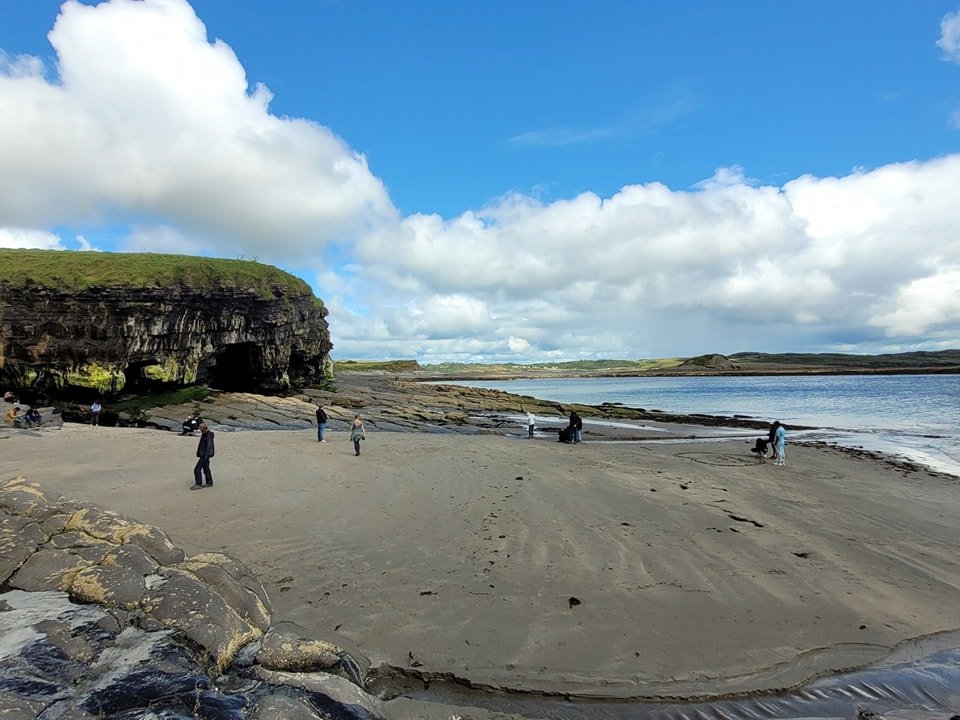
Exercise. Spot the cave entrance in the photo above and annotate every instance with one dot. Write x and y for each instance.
(237, 368)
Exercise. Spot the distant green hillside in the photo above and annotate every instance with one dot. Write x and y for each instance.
(74, 271)
(572, 366)
(941, 358)
(747, 363)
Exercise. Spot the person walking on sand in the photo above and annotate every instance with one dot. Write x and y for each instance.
(204, 453)
(321, 423)
(95, 411)
(779, 443)
(531, 424)
(357, 433)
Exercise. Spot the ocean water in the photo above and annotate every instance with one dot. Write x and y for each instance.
(912, 416)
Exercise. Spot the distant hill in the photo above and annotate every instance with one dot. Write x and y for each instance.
(842, 361)
(745, 363)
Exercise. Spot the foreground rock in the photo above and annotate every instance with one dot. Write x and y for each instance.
(104, 617)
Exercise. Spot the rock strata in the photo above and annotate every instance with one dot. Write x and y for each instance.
(93, 329)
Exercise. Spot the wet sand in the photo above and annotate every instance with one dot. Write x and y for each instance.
(609, 569)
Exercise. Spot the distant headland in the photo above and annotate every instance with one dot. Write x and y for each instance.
(743, 363)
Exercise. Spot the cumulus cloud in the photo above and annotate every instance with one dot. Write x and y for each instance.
(147, 124)
(650, 271)
(949, 40)
(149, 119)
(27, 238)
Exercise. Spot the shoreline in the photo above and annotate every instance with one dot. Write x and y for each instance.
(395, 550)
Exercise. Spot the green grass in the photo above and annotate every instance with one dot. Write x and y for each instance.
(376, 365)
(75, 271)
(941, 358)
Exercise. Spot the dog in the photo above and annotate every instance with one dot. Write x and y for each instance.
(760, 448)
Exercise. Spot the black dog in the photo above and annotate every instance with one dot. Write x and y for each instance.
(760, 449)
(565, 435)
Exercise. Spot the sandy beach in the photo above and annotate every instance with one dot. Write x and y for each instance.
(612, 569)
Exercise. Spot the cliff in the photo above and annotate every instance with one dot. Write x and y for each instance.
(106, 322)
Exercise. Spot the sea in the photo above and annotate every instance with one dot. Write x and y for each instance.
(916, 417)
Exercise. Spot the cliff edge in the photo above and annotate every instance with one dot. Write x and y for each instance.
(111, 322)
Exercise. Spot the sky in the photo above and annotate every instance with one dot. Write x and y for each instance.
(512, 180)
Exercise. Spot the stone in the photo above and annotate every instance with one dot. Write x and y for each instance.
(187, 604)
(236, 583)
(118, 530)
(19, 538)
(283, 651)
(108, 585)
(281, 707)
(18, 496)
(337, 690)
(50, 569)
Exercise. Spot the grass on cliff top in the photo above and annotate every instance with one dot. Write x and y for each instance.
(73, 271)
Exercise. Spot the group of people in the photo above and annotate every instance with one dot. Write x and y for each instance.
(203, 476)
(357, 431)
(29, 419)
(776, 441)
(573, 433)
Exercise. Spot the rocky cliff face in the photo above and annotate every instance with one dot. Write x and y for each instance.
(107, 339)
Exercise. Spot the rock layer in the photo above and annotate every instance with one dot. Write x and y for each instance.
(106, 338)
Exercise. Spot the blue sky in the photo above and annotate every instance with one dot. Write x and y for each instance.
(513, 180)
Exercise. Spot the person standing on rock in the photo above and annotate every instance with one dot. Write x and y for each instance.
(95, 411)
(357, 433)
(204, 453)
(531, 424)
(321, 423)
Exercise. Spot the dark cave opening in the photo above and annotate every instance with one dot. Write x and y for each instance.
(237, 368)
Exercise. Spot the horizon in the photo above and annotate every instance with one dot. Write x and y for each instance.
(517, 183)
(374, 361)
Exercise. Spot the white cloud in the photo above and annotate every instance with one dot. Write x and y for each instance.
(924, 304)
(27, 238)
(654, 271)
(949, 40)
(148, 125)
(148, 118)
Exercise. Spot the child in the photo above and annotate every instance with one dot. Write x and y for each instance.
(357, 433)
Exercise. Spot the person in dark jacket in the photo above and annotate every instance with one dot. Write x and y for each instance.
(204, 453)
(576, 424)
(191, 424)
(321, 423)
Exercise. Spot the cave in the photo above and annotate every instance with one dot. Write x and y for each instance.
(238, 368)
